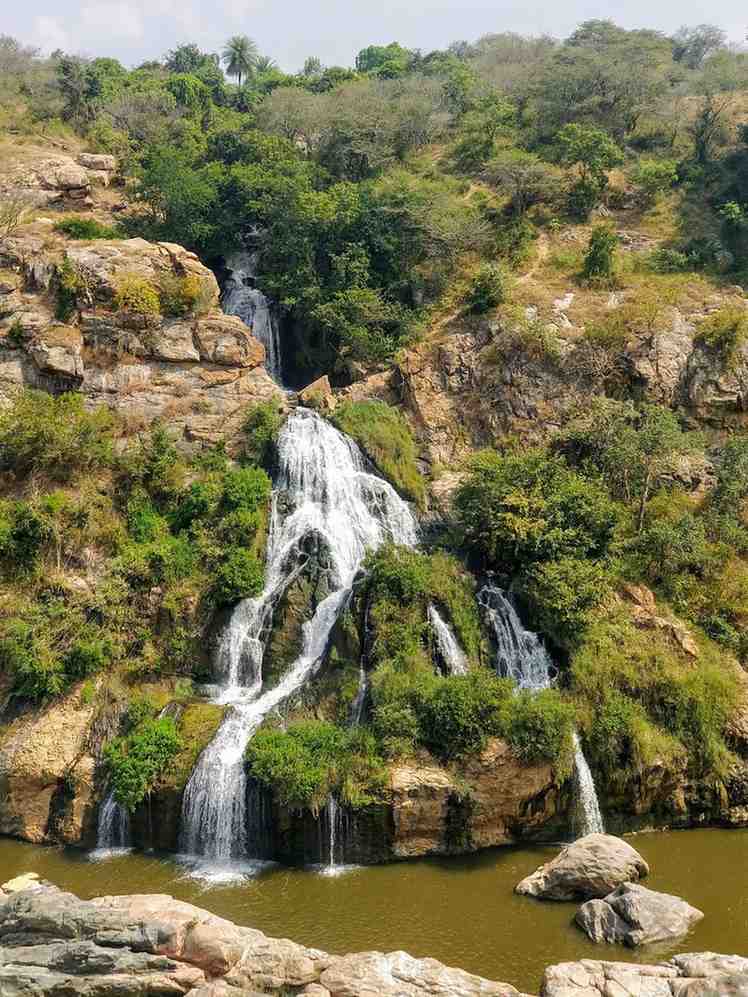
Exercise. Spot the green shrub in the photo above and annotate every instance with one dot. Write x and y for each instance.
(240, 576)
(384, 435)
(23, 536)
(725, 332)
(87, 656)
(137, 295)
(461, 712)
(488, 289)
(668, 261)
(653, 177)
(186, 295)
(246, 488)
(78, 227)
(37, 673)
(598, 266)
(312, 759)
(260, 430)
(53, 435)
(136, 762)
(539, 727)
(70, 285)
(563, 594)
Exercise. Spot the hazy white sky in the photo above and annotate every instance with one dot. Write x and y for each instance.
(334, 30)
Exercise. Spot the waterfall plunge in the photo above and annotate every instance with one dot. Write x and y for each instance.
(243, 299)
(322, 489)
(522, 656)
(450, 651)
(113, 831)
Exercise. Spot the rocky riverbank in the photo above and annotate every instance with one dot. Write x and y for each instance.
(51, 942)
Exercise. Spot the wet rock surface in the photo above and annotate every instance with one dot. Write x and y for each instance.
(634, 915)
(591, 867)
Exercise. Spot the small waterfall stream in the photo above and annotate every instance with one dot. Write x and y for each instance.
(522, 656)
(243, 299)
(323, 489)
(449, 649)
(113, 830)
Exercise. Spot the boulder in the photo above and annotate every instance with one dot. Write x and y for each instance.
(318, 394)
(702, 974)
(57, 350)
(589, 868)
(634, 915)
(97, 161)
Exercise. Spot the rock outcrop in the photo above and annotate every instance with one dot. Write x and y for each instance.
(589, 868)
(47, 774)
(700, 974)
(53, 943)
(199, 371)
(633, 915)
(42, 178)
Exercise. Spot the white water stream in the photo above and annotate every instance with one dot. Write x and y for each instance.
(243, 299)
(322, 489)
(522, 656)
(113, 830)
(447, 645)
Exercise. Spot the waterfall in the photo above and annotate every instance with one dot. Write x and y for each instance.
(243, 299)
(113, 831)
(359, 700)
(522, 656)
(450, 651)
(333, 820)
(322, 489)
(589, 816)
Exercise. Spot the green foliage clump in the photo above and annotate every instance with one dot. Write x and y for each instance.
(135, 763)
(688, 701)
(539, 726)
(239, 576)
(79, 227)
(136, 295)
(598, 265)
(53, 436)
(488, 289)
(385, 436)
(725, 332)
(186, 295)
(260, 429)
(70, 285)
(312, 759)
(654, 177)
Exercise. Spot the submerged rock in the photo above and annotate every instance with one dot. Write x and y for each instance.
(633, 915)
(588, 868)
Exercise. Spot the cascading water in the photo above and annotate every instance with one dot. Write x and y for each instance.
(322, 489)
(243, 299)
(522, 656)
(449, 650)
(359, 701)
(113, 831)
(590, 818)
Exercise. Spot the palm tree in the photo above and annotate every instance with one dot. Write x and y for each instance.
(239, 56)
(264, 64)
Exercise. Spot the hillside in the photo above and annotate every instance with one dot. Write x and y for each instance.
(523, 299)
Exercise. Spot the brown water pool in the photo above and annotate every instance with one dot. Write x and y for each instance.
(462, 911)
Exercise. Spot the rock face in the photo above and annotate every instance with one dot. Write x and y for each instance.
(52, 943)
(200, 372)
(47, 774)
(589, 868)
(633, 915)
(507, 800)
(42, 178)
(700, 974)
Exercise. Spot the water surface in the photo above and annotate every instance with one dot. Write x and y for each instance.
(460, 910)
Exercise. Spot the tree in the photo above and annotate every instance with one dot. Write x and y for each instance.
(598, 264)
(525, 177)
(264, 64)
(592, 153)
(388, 61)
(692, 46)
(312, 66)
(187, 59)
(239, 56)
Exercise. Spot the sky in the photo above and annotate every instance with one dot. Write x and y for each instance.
(334, 30)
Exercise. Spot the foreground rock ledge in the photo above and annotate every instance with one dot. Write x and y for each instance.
(589, 868)
(54, 945)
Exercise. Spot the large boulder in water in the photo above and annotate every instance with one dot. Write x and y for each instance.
(633, 915)
(589, 868)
